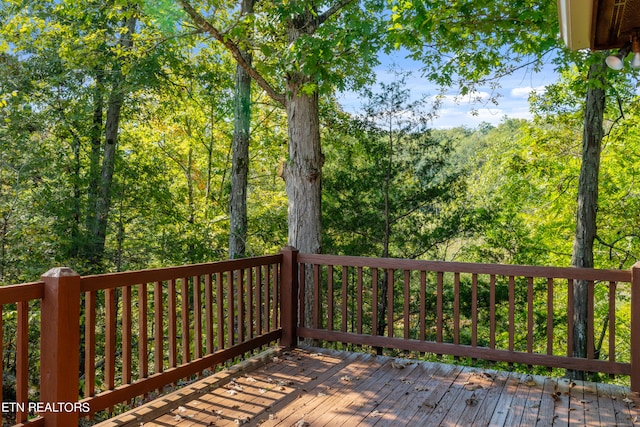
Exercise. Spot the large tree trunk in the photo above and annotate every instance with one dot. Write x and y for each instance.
(240, 159)
(303, 170)
(587, 203)
(302, 174)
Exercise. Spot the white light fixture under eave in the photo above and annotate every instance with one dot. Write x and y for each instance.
(616, 62)
(635, 48)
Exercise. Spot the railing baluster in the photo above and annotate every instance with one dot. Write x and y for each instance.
(158, 332)
(570, 318)
(230, 310)
(374, 301)
(126, 335)
(110, 339)
(250, 305)
(550, 312)
(407, 301)
(423, 305)
(330, 297)
(512, 304)
(276, 295)
(184, 311)
(530, 330)
(492, 311)
(474, 310)
(172, 318)
(590, 320)
(267, 299)
(259, 301)
(302, 303)
(197, 318)
(22, 360)
(612, 321)
(345, 298)
(439, 306)
(90, 344)
(240, 304)
(390, 298)
(208, 310)
(220, 311)
(316, 296)
(359, 298)
(456, 308)
(143, 360)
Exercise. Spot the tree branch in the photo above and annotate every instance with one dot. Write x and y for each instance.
(333, 10)
(234, 50)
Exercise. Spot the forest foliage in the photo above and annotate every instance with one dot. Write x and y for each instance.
(392, 186)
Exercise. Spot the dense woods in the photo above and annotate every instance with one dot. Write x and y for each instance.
(118, 150)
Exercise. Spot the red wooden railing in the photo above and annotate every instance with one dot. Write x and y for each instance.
(132, 334)
(111, 329)
(515, 314)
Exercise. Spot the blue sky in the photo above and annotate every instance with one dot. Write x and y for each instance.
(463, 111)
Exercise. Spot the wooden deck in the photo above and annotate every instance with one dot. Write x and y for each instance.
(316, 387)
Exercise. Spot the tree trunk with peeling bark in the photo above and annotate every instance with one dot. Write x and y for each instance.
(587, 209)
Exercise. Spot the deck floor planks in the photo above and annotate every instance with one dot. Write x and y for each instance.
(314, 395)
(489, 386)
(503, 407)
(335, 394)
(393, 403)
(342, 406)
(548, 402)
(440, 384)
(311, 384)
(378, 388)
(626, 406)
(443, 399)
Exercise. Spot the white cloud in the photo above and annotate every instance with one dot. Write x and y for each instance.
(524, 92)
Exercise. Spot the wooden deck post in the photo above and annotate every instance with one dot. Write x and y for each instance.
(60, 344)
(635, 328)
(289, 297)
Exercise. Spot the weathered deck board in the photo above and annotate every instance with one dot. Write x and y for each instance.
(326, 388)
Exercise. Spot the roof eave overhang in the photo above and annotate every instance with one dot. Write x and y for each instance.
(576, 20)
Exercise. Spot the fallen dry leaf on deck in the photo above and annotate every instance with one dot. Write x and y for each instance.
(528, 381)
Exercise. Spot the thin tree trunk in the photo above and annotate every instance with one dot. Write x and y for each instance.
(587, 204)
(103, 201)
(240, 158)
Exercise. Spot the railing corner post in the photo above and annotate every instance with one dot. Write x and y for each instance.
(289, 297)
(60, 344)
(635, 328)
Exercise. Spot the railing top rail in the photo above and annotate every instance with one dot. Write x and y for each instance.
(23, 292)
(128, 278)
(466, 267)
